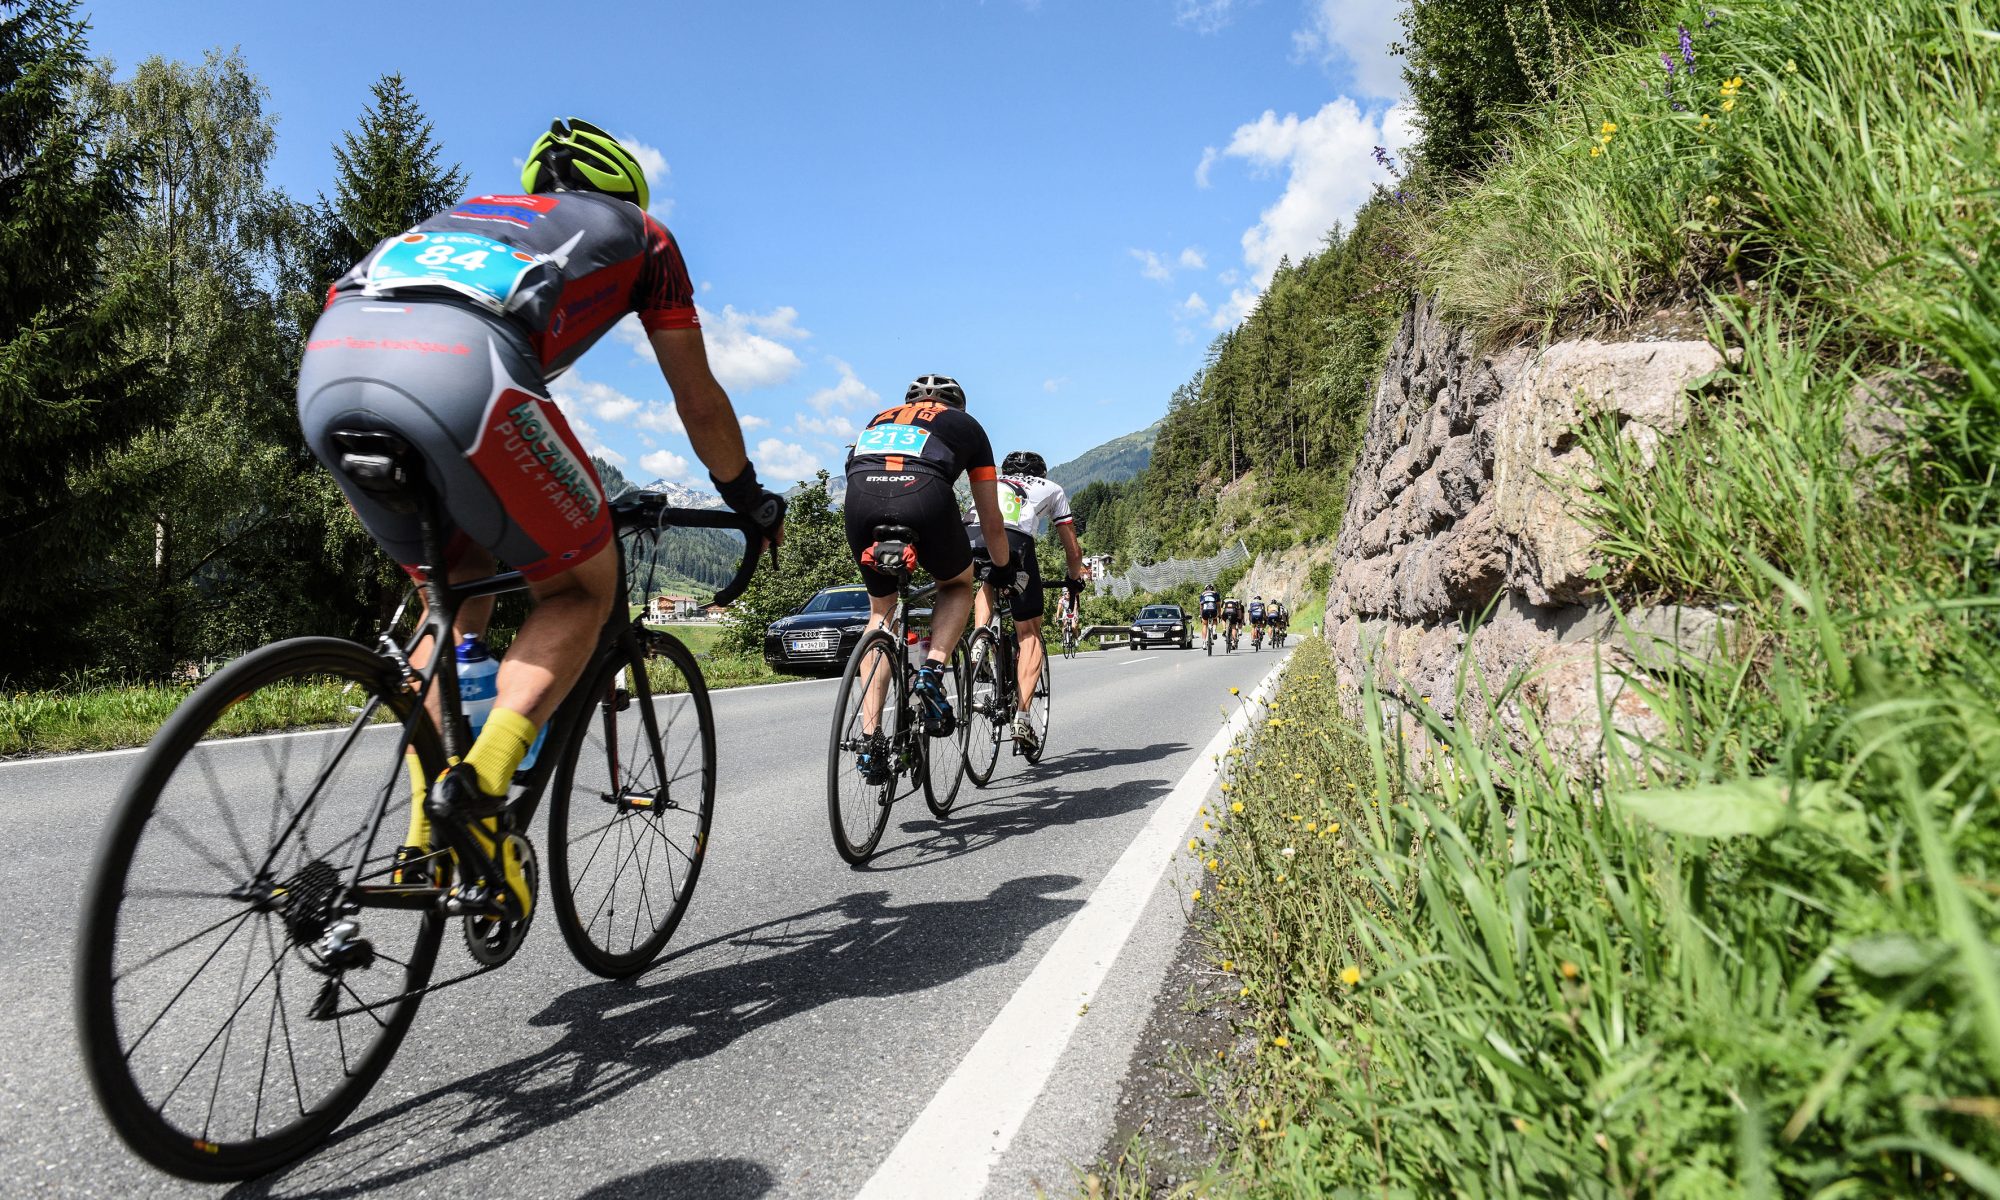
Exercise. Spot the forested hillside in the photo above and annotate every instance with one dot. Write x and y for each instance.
(1114, 461)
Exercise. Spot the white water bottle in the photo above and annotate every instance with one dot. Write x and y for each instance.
(478, 688)
(477, 676)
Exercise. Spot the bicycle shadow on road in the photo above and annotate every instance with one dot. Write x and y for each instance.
(618, 1035)
(1005, 810)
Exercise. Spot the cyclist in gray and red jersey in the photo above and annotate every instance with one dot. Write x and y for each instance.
(446, 335)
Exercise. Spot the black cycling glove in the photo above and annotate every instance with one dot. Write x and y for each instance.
(764, 507)
(1004, 579)
(1074, 586)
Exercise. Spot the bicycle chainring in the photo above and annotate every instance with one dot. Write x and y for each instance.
(493, 940)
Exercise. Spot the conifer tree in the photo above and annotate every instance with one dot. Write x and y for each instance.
(69, 395)
(389, 172)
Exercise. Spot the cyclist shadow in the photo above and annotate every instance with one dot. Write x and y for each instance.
(617, 1036)
(984, 818)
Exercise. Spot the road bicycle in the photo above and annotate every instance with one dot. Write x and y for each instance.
(993, 693)
(255, 938)
(1071, 626)
(1277, 634)
(1256, 637)
(1230, 635)
(878, 741)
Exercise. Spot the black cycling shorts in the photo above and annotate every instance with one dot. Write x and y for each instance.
(925, 504)
(1208, 611)
(1029, 603)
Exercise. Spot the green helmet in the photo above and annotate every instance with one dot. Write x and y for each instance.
(584, 158)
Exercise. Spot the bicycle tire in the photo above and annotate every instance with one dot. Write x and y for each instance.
(299, 899)
(859, 819)
(660, 800)
(1038, 714)
(988, 699)
(940, 797)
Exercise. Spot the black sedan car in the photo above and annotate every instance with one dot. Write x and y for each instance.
(818, 638)
(1161, 625)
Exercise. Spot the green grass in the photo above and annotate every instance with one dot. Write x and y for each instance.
(109, 717)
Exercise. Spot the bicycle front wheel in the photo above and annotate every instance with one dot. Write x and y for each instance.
(1038, 714)
(633, 799)
(863, 753)
(944, 758)
(232, 1004)
(986, 706)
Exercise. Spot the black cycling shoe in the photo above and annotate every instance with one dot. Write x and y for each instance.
(939, 720)
(456, 793)
(874, 764)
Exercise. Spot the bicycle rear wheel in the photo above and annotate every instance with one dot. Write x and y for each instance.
(986, 706)
(944, 758)
(1038, 714)
(631, 806)
(226, 1025)
(866, 722)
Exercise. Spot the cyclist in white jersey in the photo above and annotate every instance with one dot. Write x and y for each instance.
(1029, 503)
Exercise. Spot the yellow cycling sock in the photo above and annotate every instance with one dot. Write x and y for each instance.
(420, 821)
(503, 742)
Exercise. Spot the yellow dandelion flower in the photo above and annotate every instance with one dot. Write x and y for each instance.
(1350, 976)
(1312, 826)
(1729, 104)
(1263, 1122)
(1197, 896)
(1229, 964)
(1211, 864)
(1734, 83)
(1569, 969)
(1236, 807)
(1193, 845)
(1791, 68)
(1245, 992)
(1281, 1042)
(1608, 127)
(1235, 692)
(1712, 200)
(1706, 120)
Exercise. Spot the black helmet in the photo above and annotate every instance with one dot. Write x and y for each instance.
(941, 388)
(1025, 462)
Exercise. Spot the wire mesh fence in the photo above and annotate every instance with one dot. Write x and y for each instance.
(1159, 576)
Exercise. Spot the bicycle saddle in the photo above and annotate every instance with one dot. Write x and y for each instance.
(382, 464)
(892, 551)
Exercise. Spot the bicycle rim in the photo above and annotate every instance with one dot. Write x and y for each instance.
(985, 707)
(633, 800)
(944, 758)
(215, 1032)
(865, 717)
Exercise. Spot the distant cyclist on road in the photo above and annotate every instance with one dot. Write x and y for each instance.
(1232, 617)
(1029, 500)
(1256, 612)
(1211, 600)
(446, 335)
(901, 472)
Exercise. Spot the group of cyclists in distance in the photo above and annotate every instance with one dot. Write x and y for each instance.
(1265, 620)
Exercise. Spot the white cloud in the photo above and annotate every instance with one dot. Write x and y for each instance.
(660, 418)
(1357, 36)
(1194, 305)
(665, 464)
(834, 426)
(1151, 265)
(1055, 385)
(654, 164)
(1208, 156)
(1228, 278)
(1192, 259)
(608, 455)
(844, 394)
(744, 350)
(1331, 171)
(1237, 307)
(1205, 16)
(783, 463)
(752, 421)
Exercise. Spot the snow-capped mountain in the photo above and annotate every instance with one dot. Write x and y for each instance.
(680, 495)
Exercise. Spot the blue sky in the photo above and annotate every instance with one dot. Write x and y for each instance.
(1059, 202)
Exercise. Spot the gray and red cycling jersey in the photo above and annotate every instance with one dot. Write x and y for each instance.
(563, 267)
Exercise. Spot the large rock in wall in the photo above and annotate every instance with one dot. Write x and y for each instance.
(1461, 553)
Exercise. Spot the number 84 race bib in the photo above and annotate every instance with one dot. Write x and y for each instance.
(484, 271)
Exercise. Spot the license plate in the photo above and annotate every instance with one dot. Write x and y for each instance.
(812, 643)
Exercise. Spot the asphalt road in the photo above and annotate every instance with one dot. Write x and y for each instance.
(805, 1016)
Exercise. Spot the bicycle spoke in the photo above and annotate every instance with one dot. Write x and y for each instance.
(154, 1023)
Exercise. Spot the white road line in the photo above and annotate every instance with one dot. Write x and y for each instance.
(1142, 658)
(949, 1151)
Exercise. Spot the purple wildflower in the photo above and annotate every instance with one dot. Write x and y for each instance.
(1708, 19)
(1687, 48)
(1383, 160)
(1667, 61)
(1399, 196)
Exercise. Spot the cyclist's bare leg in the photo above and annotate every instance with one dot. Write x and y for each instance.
(556, 639)
(1028, 640)
(953, 603)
